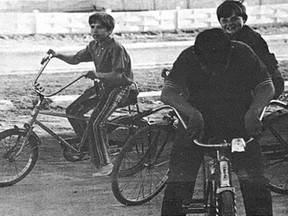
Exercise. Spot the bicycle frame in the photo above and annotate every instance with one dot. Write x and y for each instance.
(38, 110)
(38, 107)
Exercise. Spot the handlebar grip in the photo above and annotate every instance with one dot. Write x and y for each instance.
(165, 72)
(46, 58)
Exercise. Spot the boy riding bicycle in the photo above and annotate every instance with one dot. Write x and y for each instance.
(113, 68)
(220, 76)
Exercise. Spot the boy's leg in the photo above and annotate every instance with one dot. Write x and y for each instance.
(185, 161)
(108, 104)
(256, 195)
(85, 102)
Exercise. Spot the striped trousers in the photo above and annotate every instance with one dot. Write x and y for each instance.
(103, 104)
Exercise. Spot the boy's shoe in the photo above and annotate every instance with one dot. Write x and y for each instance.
(104, 171)
(72, 140)
(75, 142)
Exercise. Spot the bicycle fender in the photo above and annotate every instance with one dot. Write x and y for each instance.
(220, 190)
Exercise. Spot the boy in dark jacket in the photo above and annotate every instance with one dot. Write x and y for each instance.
(232, 18)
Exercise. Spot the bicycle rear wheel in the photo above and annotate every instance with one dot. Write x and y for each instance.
(140, 170)
(14, 168)
(274, 145)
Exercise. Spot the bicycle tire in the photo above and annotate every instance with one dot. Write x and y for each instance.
(211, 199)
(140, 170)
(274, 146)
(13, 170)
(226, 203)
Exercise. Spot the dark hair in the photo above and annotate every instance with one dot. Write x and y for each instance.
(227, 7)
(105, 19)
(212, 41)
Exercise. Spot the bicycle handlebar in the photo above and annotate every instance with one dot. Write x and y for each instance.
(279, 103)
(44, 62)
(217, 145)
(226, 144)
(39, 89)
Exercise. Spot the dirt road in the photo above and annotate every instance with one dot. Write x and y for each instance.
(57, 187)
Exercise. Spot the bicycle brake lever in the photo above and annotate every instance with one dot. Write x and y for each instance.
(41, 89)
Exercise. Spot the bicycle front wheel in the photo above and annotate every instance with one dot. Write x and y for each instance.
(274, 146)
(13, 168)
(226, 203)
(140, 170)
(210, 203)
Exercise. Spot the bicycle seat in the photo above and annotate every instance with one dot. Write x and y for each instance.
(132, 97)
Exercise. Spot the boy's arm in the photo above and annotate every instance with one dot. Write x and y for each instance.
(81, 56)
(70, 59)
(172, 96)
(112, 78)
(262, 95)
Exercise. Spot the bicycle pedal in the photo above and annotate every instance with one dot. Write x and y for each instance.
(195, 206)
(85, 157)
(72, 156)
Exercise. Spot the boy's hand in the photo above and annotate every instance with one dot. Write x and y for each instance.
(253, 124)
(195, 127)
(52, 52)
(91, 75)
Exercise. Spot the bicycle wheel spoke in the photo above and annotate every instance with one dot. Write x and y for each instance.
(274, 144)
(14, 168)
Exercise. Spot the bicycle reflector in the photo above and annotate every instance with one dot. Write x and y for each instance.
(238, 145)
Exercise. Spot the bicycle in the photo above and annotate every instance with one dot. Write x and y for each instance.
(141, 168)
(274, 146)
(19, 147)
(133, 187)
(214, 187)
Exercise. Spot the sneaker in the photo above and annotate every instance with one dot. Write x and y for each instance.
(75, 142)
(104, 171)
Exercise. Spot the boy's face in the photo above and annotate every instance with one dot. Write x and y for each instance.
(98, 31)
(231, 24)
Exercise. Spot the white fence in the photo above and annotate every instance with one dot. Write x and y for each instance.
(164, 20)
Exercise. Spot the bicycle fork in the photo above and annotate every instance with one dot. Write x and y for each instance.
(223, 177)
(29, 126)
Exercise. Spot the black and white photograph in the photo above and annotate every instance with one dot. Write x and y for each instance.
(144, 108)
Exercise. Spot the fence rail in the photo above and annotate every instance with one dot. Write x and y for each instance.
(162, 20)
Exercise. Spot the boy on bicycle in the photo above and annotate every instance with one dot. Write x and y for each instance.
(232, 17)
(113, 68)
(228, 88)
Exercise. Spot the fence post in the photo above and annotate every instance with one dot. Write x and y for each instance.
(209, 23)
(35, 24)
(109, 11)
(177, 18)
(275, 19)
